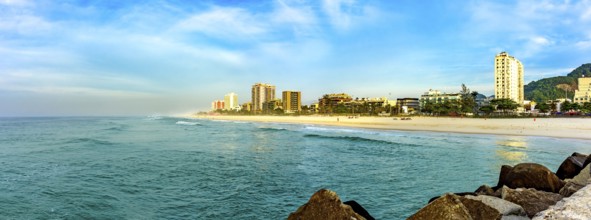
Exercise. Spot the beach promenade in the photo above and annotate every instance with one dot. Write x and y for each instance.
(579, 128)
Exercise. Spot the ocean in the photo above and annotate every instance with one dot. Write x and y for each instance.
(178, 168)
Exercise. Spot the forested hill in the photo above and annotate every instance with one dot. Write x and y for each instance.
(547, 89)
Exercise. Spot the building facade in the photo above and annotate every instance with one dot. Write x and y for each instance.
(407, 105)
(508, 78)
(435, 96)
(583, 94)
(292, 101)
(231, 101)
(217, 104)
(261, 93)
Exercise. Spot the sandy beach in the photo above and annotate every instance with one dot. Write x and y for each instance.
(579, 128)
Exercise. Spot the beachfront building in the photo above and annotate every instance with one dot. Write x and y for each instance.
(261, 93)
(508, 78)
(583, 94)
(247, 106)
(407, 105)
(329, 103)
(292, 101)
(231, 101)
(217, 104)
(271, 106)
(435, 97)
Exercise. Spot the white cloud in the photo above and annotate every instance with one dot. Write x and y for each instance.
(223, 22)
(24, 24)
(16, 2)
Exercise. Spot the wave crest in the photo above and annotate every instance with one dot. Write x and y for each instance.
(187, 123)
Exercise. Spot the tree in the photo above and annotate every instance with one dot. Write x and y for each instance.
(586, 108)
(487, 109)
(504, 104)
(467, 102)
(566, 88)
(543, 107)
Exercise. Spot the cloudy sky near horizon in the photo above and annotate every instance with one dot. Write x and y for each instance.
(171, 57)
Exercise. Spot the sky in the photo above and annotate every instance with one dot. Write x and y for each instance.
(92, 58)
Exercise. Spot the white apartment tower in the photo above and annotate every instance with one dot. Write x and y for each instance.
(508, 78)
(231, 101)
(261, 93)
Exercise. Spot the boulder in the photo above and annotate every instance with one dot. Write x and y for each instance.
(448, 206)
(576, 206)
(569, 188)
(532, 201)
(359, 209)
(479, 210)
(531, 175)
(324, 204)
(457, 194)
(505, 169)
(572, 185)
(583, 177)
(504, 207)
(571, 166)
(488, 191)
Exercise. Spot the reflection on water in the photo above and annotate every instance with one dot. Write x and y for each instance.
(513, 142)
(513, 156)
(512, 149)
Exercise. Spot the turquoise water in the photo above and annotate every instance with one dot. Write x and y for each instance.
(175, 168)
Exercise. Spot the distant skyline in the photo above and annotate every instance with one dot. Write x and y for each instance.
(171, 57)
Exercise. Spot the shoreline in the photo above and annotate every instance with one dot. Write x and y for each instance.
(575, 128)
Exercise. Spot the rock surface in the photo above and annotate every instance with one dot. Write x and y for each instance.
(571, 166)
(445, 207)
(504, 207)
(324, 204)
(578, 206)
(532, 201)
(531, 175)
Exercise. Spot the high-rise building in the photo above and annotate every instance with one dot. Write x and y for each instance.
(292, 101)
(583, 94)
(261, 93)
(231, 101)
(508, 78)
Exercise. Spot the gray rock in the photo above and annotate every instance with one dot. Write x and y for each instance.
(532, 201)
(325, 204)
(570, 188)
(583, 177)
(504, 207)
(577, 206)
(445, 207)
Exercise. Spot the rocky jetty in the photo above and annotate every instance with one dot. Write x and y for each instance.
(523, 191)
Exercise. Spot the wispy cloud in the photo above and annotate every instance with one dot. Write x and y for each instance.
(345, 14)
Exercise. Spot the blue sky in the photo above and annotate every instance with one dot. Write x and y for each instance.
(171, 57)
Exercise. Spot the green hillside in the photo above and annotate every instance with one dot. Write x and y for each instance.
(545, 89)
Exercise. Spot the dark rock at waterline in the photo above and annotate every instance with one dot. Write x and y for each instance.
(359, 209)
(324, 204)
(448, 206)
(571, 166)
(532, 201)
(505, 169)
(531, 175)
(488, 191)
